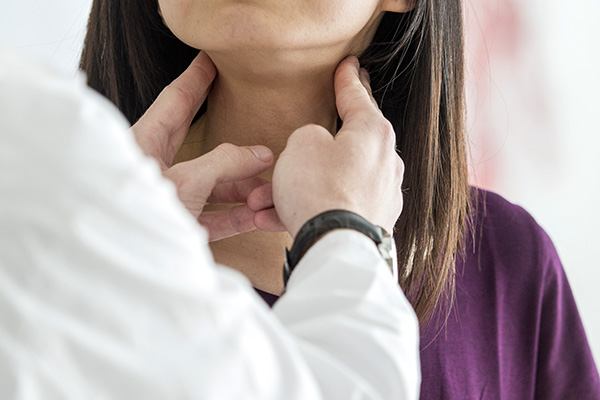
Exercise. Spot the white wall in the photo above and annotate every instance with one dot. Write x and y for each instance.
(570, 209)
(52, 31)
(560, 187)
(539, 116)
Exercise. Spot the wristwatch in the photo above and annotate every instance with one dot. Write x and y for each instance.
(318, 226)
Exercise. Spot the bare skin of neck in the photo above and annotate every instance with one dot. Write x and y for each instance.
(246, 107)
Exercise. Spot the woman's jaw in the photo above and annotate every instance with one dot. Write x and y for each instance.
(272, 26)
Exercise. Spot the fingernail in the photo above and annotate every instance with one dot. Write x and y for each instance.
(354, 60)
(262, 153)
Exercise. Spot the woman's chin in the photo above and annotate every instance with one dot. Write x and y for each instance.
(234, 26)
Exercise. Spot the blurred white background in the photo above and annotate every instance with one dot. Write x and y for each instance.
(534, 82)
(533, 95)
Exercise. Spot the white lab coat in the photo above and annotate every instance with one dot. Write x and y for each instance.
(108, 289)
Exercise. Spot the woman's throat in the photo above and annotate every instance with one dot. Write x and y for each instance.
(253, 117)
(258, 255)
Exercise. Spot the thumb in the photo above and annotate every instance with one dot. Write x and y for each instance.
(196, 179)
(163, 127)
(229, 163)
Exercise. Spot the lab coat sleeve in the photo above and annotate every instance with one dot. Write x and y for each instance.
(355, 329)
(108, 290)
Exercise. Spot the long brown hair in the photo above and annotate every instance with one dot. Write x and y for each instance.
(416, 65)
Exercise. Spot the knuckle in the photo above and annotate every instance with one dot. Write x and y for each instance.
(400, 167)
(314, 130)
(178, 175)
(308, 133)
(356, 87)
(229, 153)
(354, 92)
(387, 132)
(183, 95)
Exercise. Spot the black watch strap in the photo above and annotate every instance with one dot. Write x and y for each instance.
(318, 226)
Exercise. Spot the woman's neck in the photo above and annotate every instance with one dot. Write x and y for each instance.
(265, 109)
(249, 109)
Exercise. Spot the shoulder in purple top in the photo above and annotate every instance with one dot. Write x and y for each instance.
(514, 331)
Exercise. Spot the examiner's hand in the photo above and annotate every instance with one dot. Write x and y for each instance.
(357, 170)
(225, 175)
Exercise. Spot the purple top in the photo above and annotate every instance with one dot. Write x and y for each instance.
(514, 331)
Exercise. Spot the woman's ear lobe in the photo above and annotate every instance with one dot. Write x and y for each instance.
(398, 6)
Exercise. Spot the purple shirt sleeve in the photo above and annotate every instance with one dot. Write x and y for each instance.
(514, 331)
(566, 369)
